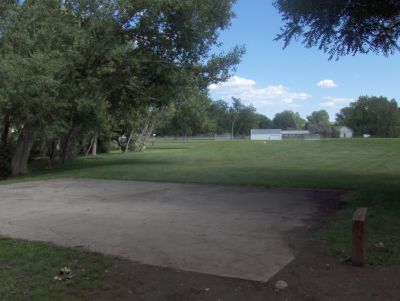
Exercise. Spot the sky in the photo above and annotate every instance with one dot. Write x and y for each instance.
(301, 79)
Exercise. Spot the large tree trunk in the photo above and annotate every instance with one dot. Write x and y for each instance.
(52, 148)
(140, 143)
(151, 124)
(65, 151)
(94, 146)
(19, 161)
(6, 130)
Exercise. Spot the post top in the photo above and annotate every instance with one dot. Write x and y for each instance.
(360, 214)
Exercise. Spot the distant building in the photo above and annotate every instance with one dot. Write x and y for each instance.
(278, 134)
(345, 132)
(266, 134)
(295, 134)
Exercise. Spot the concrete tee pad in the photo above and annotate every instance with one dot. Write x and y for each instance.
(222, 230)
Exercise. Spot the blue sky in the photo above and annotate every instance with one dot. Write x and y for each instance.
(273, 79)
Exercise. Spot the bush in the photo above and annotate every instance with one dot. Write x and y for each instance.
(335, 132)
(103, 146)
(5, 162)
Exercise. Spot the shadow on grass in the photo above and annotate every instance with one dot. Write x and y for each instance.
(39, 168)
(152, 148)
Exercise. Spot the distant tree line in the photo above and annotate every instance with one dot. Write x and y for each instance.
(197, 114)
(200, 115)
(376, 116)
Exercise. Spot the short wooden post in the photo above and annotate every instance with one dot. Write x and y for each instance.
(359, 255)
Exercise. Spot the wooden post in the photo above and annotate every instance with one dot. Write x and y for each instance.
(359, 255)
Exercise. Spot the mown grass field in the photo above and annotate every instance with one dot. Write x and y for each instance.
(370, 167)
(342, 164)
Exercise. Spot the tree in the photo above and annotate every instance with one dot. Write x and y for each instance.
(372, 115)
(285, 120)
(219, 114)
(197, 114)
(318, 123)
(31, 60)
(191, 115)
(300, 122)
(234, 111)
(247, 120)
(264, 122)
(69, 68)
(341, 27)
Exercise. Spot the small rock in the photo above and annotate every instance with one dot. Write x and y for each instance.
(57, 278)
(328, 266)
(65, 271)
(207, 289)
(281, 285)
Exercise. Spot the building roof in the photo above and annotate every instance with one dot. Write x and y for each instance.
(266, 131)
(295, 132)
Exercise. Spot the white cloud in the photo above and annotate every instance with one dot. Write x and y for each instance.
(246, 90)
(327, 83)
(335, 102)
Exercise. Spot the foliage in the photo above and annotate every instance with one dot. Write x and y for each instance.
(190, 115)
(286, 120)
(341, 27)
(74, 70)
(318, 123)
(196, 114)
(372, 115)
(247, 119)
(220, 115)
(264, 122)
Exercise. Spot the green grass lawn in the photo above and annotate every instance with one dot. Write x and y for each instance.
(343, 164)
(371, 167)
(27, 271)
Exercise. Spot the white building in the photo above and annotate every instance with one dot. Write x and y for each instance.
(266, 134)
(345, 132)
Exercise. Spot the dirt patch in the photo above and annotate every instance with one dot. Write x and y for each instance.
(312, 276)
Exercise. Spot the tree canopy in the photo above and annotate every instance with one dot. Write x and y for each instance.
(376, 116)
(288, 120)
(342, 27)
(318, 123)
(75, 71)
